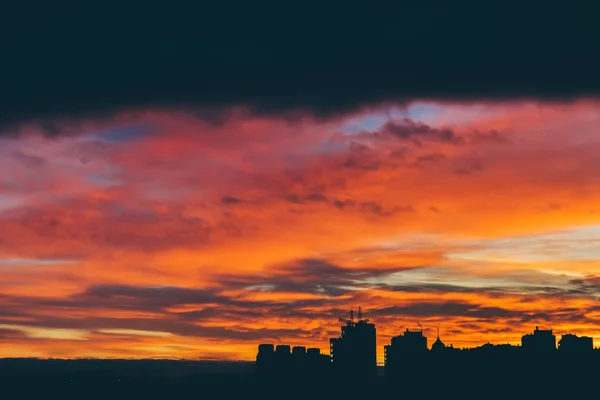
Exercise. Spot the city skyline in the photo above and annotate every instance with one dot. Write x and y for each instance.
(353, 353)
(427, 342)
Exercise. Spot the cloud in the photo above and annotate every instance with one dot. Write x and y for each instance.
(231, 200)
(587, 285)
(221, 235)
(376, 208)
(361, 156)
(451, 309)
(426, 159)
(474, 51)
(313, 197)
(343, 204)
(309, 276)
(11, 334)
(407, 129)
(156, 300)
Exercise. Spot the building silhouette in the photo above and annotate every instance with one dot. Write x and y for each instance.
(539, 341)
(409, 342)
(575, 344)
(438, 345)
(406, 351)
(283, 359)
(316, 363)
(282, 362)
(298, 358)
(354, 353)
(408, 359)
(265, 359)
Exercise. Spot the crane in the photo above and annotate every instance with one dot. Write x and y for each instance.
(348, 321)
(351, 321)
(360, 318)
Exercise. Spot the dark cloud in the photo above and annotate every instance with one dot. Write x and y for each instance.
(426, 159)
(434, 287)
(323, 277)
(494, 136)
(415, 133)
(362, 157)
(160, 301)
(311, 276)
(407, 129)
(316, 197)
(313, 197)
(294, 198)
(376, 208)
(63, 60)
(450, 309)
(150, 298)
(536, 317)
(572, 288)
(11, 334)
(589, 285)
(301, 276)
(231, 200)
(341, 204)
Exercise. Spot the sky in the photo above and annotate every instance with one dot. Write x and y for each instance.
(158, 234)
(190, 181)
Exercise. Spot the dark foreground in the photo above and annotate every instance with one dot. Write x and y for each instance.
(49, 381)
(246, 387)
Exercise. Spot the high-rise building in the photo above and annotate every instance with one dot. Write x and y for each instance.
(541, 340)
(354, 353)
(407, 349)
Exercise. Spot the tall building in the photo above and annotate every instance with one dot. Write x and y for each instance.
(354, 353)
(575, 344)
(407, 349)
(265, 359)
(541, 340)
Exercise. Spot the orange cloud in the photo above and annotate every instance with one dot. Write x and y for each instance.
(166, 236)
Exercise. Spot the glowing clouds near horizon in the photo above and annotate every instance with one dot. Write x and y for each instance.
(160, 235)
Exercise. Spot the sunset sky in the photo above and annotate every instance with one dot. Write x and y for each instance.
(156, 234)
(190, 183)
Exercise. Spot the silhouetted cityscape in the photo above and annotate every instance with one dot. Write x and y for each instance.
(353, 355)
(540, 366)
